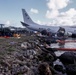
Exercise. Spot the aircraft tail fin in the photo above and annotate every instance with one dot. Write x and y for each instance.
(26, 17)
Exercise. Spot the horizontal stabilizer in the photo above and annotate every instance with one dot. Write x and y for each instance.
(24, 24)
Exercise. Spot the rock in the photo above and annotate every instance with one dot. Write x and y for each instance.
(71, 69)
(59, 68)
(16, 69)
(24, 45)
(29, 53)
(68, 57)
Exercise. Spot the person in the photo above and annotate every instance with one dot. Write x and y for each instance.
(44, 69)
(44, 32)
(61, 32)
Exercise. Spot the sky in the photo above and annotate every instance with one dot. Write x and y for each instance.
(47, 12)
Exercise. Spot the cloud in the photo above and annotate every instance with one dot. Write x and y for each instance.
(41, 23)
(57, 4)
(54, 6)
(71, 12)
(68, 17)
(65, 18)
(52, 14)
(34, 11)
(8, 23)
(60, 18)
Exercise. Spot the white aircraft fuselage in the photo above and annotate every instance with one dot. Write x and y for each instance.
(28, 23)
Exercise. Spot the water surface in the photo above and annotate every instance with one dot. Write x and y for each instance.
(65, 45)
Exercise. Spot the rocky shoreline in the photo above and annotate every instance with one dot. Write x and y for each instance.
(29, 55)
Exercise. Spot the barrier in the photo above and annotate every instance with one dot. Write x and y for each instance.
(59, 41)
(66, 49)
